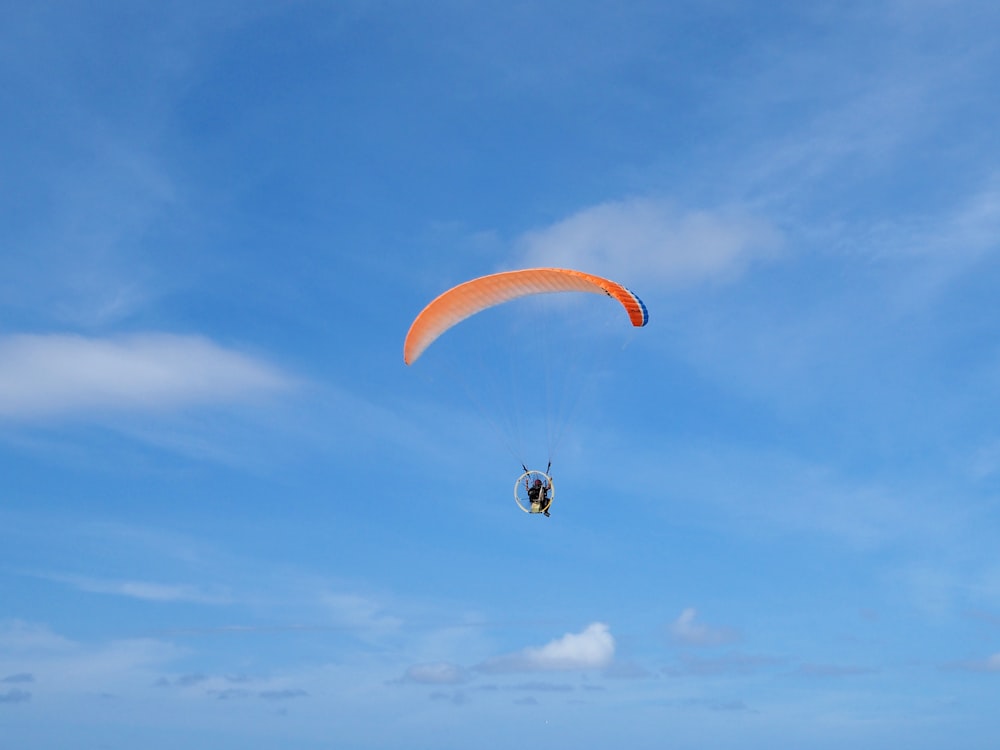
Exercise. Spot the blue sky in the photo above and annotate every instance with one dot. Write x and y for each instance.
(231, 517)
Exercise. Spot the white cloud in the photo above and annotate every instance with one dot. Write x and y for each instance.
(685, 630)
(650, 239)
(52, 375)
(591, 649)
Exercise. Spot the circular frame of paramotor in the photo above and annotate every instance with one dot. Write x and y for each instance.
(521, 491)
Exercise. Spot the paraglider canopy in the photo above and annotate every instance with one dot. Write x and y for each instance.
(465, 300)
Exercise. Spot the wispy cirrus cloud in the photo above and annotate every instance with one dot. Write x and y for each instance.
(592, 648)
(650, 238)
(150, 591)
(943, 248)
(47, 376)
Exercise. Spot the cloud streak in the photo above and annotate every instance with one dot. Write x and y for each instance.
(46, 376)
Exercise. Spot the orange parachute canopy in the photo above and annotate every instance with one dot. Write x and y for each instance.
(465, 300)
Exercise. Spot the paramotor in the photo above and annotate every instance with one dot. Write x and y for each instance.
(471, 297)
